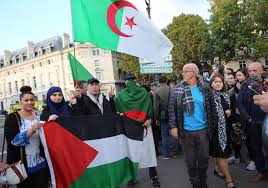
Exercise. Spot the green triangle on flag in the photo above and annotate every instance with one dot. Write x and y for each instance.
(118, 25)
(79, 72)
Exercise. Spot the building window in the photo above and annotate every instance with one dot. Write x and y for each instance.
(9, 87)
(16, 86)
(95, 51)
(97, 63)
(242, 64)
(34, 83)
(22, 82)
(24, 57)
(266, 60)
(98, 75)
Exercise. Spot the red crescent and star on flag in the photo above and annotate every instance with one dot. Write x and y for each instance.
(111, 13)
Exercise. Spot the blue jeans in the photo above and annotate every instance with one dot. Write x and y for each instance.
(164, 134)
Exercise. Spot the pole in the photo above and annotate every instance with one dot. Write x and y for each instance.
(75, 65)
(74, 46)
(148, 8)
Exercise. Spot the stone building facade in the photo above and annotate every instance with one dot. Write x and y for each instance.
(46, 64)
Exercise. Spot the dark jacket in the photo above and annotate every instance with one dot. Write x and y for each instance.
(248, 110)
(74, 110)
(176, 108)
(161, 100)
(91, 108)
(11, 129)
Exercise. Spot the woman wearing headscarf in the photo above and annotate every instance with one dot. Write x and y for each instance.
(57, 106)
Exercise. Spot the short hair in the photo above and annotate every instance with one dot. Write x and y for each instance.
(230, 69)
(80, 83)
(162, 79)
(194, 67)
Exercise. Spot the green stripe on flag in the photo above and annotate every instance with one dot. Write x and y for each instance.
(79, 72)
(90, 24)
(97, 178)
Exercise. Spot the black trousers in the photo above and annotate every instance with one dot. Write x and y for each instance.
(196, 149)
(256, 147)
(152, 172)
(156, 133)
(38, 179)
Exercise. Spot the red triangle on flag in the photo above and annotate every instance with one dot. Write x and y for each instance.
(69, 155)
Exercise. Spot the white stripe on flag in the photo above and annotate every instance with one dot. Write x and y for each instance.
(115, 148)
(51, 170)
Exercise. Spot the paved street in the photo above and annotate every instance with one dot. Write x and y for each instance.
(173, 174)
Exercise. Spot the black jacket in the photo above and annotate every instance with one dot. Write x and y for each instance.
(74, 110)
(91, 108)
(247, 108)
(11, 130)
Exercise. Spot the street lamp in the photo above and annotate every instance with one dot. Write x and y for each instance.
(148, 3)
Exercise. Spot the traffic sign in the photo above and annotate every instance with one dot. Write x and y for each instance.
(156, 70)
(161, 67)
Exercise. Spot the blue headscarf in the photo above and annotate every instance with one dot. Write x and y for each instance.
(60, 109)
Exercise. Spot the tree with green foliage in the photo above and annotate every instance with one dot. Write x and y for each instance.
(190, 37)
(130, 63)
(238, 28)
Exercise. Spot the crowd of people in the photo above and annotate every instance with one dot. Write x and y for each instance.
(204, 118)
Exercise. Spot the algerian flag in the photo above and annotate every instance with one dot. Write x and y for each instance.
(92, 151)
(119, 26)
(135, 102)
(79, 72)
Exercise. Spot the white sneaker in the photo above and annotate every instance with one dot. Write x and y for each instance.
(251, 166)
(231, 160)
(237, 161)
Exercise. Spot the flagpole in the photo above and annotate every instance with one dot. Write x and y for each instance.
(75, 67)
(148, 3)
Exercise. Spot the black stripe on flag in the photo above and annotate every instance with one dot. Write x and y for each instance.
(97, 127)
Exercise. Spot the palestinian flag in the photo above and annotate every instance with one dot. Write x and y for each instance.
(134, 101)
(119, 26)
(92, 151)
(79, 72)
